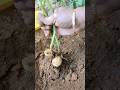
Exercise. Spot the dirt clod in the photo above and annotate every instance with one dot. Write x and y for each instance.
(73, 76)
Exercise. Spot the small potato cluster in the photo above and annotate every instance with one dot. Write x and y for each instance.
(56, 61)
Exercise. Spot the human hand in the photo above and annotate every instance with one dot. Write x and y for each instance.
(62, 18)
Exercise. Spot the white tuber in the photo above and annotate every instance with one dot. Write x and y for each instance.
(57, 61)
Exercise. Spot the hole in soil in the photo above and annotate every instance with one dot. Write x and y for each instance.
(65, 67)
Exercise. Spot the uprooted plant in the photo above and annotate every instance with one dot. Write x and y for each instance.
(45, 5)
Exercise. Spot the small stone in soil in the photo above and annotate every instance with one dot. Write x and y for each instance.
(56, 74)
(73, 76)
(68, 77)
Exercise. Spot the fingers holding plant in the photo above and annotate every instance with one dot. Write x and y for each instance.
(62, 18)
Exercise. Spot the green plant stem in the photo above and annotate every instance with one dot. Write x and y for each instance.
(53, 36)
(50, 6)
(63, 2)
(43, 7)
(54, 39)
(57, 42)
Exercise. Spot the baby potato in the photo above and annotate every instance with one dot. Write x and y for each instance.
(48, 53)
(57, 61)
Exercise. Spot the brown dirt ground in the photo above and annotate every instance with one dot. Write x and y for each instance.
(71, 74)
(103, 54)
(15, 44)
